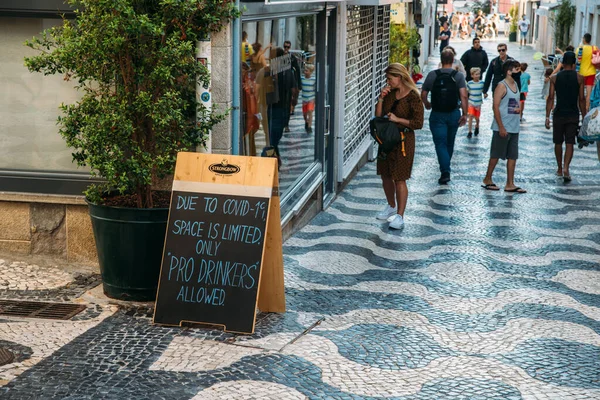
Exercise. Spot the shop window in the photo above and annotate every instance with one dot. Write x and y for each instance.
(279, 92)
(29, 104)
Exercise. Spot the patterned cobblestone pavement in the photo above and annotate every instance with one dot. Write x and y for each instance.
(482, 295)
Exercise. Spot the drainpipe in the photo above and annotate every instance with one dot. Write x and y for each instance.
(236, 76)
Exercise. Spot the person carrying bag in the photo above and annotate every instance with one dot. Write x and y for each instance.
(400, 102)
(388, 135)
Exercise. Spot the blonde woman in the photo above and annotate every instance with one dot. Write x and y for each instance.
(400, 101)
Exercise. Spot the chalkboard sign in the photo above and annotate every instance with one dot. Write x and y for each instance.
(214, 250)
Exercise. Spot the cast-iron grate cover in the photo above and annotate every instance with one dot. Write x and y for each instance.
(37, 309)
(6, 357)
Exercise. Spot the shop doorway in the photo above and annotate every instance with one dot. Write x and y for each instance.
(286, 106)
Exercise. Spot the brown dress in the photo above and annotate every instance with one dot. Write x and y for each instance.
(398, 166)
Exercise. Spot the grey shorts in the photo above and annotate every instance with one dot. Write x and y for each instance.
(505, 147)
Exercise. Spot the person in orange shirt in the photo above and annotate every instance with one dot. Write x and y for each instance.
(584, 65)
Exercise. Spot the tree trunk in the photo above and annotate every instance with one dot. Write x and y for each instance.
(144, 197)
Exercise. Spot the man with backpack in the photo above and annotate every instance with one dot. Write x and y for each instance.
(448, 89)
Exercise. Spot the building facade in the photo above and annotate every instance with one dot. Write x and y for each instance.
(587, 20)
(339, 51)
(544, 34)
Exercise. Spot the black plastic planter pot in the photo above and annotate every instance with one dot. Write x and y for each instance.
(512, 36)
(129, 242)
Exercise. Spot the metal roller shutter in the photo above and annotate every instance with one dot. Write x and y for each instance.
(367, 51)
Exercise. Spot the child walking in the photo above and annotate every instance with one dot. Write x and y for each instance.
(546, 88)
(525, 81)
(308, 97)
(475, 90)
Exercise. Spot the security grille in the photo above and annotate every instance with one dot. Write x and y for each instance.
(382, 54)
(365, 60)
(359, 81)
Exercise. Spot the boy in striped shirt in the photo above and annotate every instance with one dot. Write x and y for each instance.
(475, 90)
(309, 84)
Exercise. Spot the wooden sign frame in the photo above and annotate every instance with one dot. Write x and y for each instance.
(242, 176)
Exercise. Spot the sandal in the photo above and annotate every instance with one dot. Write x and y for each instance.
(567, 178)
(515, 190)
(490, 186)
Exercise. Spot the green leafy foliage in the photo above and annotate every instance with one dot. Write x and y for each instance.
(134, 63)
(484, 5)
(564, 19)
(402, 40)
(514, 18)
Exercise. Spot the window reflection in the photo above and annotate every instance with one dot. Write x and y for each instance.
(279, 93)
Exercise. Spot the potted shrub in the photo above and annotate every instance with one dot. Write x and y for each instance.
(514, 19)
(133, 61)
(405, 44)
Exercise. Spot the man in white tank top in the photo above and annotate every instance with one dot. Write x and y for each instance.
(505, 127)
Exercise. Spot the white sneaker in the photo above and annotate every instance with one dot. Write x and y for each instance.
(386, 212)
(397, 222)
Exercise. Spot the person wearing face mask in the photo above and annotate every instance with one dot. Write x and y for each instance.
(505, 127)
(475, 57)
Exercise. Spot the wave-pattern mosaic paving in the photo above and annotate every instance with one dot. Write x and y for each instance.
(482, 295)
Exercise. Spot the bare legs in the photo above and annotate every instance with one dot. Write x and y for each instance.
(471, 118)
(490, 171)
(510, 173)
(588, 95)
(522, 109)
(563, 169)
(396, 193)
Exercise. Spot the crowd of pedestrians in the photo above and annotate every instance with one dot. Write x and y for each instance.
(455, 91)
(464, 25)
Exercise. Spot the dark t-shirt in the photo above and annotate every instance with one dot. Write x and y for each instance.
(446, 42)
(566, 85)
(430, 79)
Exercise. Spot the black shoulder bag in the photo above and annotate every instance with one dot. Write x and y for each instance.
(386, 133)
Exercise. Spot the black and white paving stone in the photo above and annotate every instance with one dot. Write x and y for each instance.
(482, 295)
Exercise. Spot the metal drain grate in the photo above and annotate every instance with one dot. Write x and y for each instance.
(6, 357)
(36, 309)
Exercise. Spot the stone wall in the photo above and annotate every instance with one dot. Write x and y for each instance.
(55, 226)
(221, 78)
